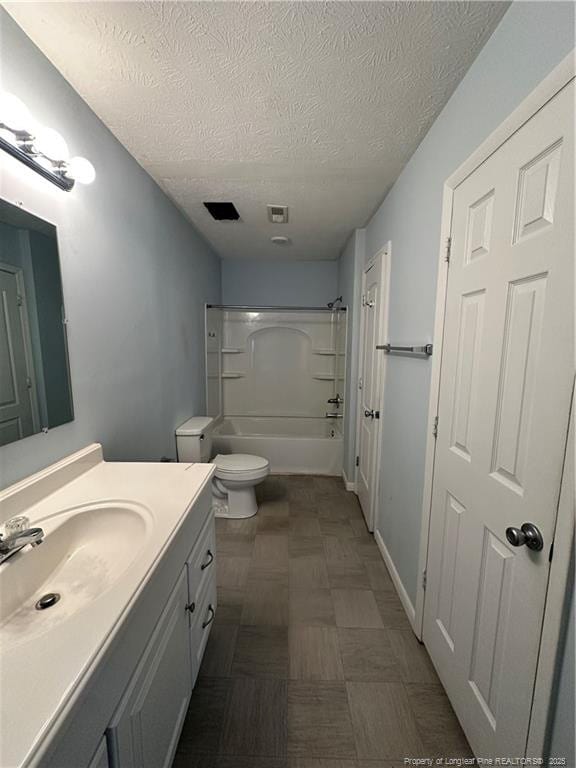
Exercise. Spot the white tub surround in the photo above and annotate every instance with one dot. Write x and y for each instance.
(302, 446)
(124, 545)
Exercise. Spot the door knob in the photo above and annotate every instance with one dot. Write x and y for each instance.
(528, 534)
(369, 412)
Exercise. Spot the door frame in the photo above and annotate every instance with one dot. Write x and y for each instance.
(384, 254)
(18, 273)
(559, 571)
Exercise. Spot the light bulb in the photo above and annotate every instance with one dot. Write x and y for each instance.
(8, 136)
(50, 143)
(14, 113)
(81, 170)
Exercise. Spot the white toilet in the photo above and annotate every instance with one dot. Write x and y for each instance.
(236, 475)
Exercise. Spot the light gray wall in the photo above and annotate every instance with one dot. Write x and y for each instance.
(135, 273)
(531, 39)
(350, 287)
(306, 283)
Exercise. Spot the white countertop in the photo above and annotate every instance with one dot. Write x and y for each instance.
(43, 669)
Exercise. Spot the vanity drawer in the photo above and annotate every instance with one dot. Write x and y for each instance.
(202, 562)
(201, 625)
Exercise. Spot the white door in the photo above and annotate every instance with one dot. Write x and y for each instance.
(369, 399)
(16, 418)
(506, 381)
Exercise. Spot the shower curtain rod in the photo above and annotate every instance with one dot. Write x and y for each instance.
(247, 308)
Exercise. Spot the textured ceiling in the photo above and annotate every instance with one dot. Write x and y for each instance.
(315, 105)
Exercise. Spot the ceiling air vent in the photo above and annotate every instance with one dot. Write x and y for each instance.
(278, 214)
(223, 211)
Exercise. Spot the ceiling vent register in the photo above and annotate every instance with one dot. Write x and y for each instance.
(222, 211)
(278, 214)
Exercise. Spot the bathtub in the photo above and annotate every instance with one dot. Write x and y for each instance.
(302, 446)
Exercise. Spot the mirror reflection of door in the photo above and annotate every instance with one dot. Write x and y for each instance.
(35, 391)
(18, 415)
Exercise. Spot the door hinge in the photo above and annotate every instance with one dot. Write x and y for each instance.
(357, 461)
(448, 249)
(360, 383)
(19, 300)
(28, 382)
(376, 414)
(424, 579)
(435, 427)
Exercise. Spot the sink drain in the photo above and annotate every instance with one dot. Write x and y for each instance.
(47, 601)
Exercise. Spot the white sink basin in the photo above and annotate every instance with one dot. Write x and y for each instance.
(85, 551)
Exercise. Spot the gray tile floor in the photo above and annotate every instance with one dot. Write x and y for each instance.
(311, 662)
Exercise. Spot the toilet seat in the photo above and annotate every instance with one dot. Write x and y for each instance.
(240, 466)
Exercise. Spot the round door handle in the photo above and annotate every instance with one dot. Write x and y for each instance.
(527, 534)
(369, 413)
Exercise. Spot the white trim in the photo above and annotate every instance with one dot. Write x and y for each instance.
(540, 96)
(349, 485)
(535, 101)
(396, 580)
(555, 601)
(441, 287)
(384, 254)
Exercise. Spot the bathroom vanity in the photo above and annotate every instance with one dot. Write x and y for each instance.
(102, 678)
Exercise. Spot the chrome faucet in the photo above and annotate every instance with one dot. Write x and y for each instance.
(17, 541)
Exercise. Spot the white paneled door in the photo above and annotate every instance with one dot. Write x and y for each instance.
(506, 381)
(370, 385)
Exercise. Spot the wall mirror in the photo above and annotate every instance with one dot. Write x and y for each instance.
(35, 390)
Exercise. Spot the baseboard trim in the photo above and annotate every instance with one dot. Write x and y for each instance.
(402, 594)
(349, 486)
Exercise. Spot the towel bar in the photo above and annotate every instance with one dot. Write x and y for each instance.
(424, 349)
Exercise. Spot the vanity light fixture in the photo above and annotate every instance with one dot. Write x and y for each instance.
(40, 148)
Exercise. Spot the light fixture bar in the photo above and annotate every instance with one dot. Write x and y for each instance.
(56, 178)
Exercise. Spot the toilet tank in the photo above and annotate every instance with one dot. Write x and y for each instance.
(194, 439)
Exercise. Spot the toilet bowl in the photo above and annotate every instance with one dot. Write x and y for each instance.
(236, 475)
(233, 484)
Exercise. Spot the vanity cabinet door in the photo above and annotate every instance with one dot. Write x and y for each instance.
(146, 728)
(201, 627)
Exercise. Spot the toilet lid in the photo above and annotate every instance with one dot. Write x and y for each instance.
(239, 462)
